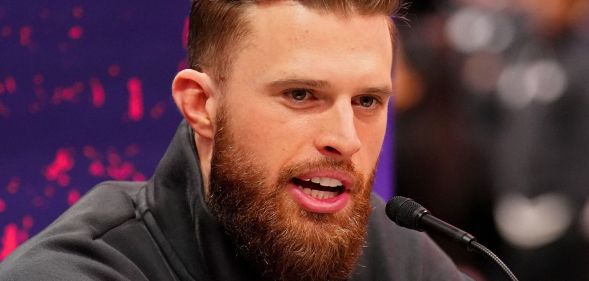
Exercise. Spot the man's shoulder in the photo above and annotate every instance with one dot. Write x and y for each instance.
(388, 236)
(105, 206)
(396, 253)
(74, 242)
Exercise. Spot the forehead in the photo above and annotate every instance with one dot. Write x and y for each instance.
(295, 14)
(286, 37)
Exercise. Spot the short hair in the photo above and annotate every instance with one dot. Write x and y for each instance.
(217, 26)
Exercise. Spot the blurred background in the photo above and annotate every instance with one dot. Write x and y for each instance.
(84, 98)
(491, 117)
(492, 128)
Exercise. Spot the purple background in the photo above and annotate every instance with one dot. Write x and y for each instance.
(85, 97)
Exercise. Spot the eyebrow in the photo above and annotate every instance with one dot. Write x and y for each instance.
(381, 91)
(385, 91)
(318, 84)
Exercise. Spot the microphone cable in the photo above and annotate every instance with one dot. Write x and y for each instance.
(407, 213)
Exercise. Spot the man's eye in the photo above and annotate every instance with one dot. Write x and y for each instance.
(298, 94)
(367, 101)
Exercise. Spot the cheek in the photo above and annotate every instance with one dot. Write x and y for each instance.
(372, 137)
(271, 136)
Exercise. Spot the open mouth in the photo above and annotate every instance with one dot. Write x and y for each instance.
(324, 192)
(320, 187)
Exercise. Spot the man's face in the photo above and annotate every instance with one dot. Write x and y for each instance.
(299, 129)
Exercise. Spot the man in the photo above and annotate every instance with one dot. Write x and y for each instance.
(269, 177)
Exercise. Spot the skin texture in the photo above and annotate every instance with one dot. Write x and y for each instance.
(308, 94)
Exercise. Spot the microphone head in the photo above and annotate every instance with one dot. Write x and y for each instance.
(405, 212)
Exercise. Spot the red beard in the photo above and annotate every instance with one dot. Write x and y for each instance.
(270, 230)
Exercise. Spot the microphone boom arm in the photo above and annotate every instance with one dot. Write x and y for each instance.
(407, 213)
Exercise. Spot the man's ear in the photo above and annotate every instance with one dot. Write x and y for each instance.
(194, 95)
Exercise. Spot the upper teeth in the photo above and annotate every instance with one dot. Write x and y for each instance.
(325, 181)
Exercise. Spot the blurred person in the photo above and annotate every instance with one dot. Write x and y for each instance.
(525, 67)
(491, 113)
(541, 138)
(269, 176)
(439, 161)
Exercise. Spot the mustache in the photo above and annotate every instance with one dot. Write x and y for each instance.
(346, 166)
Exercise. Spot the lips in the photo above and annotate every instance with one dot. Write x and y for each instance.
(321, 192)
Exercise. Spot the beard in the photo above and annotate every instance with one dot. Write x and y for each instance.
(279, 238)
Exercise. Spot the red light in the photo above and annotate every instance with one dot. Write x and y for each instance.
(96, 169)
(13, 185)
(10, 84)
(25, 35)
(9, 241)
(76, 32)
(135, 99)
(78, 12)
(28, 222)
(98, 95)
(73, 197)
(57, 170)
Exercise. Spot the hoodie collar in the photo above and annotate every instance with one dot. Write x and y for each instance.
(195, 244)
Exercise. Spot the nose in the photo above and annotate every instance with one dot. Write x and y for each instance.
(338, 137)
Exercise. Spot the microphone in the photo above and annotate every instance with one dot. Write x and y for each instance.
(407, 213)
